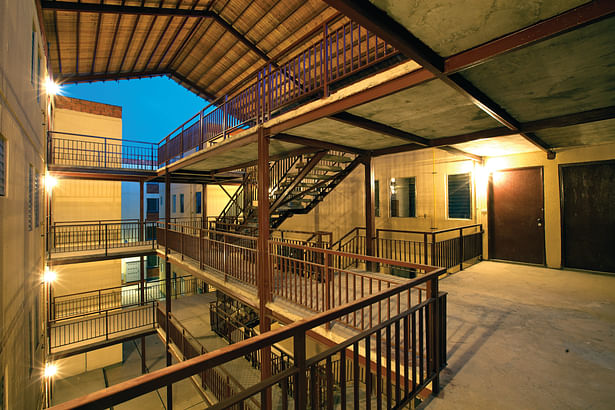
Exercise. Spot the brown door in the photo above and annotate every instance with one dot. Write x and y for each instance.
(516, 216)
(588, 216)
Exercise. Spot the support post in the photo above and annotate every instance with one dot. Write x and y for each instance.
(370, 216)
(204, 206)
(167, 278)
(434, 332)
(264, 284)
(460, 249)
(141, 196)
(142, 302)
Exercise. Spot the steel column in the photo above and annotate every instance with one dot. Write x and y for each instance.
(142, 302)
(167, 276)
(264, 280)
(370, 215)
(141, 200)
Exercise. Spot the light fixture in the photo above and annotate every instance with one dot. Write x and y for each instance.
(51, 87)
(50, 370)
(50, 182)
(49, 276)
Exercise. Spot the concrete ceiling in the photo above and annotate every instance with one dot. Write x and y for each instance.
(493, 147)
(451, 26)
(593, 133)
(570, 73)
(430, 110)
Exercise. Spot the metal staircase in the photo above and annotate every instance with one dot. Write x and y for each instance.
(297, 184)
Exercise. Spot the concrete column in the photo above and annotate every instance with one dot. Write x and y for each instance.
(167, 276)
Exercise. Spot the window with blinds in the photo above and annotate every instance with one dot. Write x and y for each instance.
(2, 167)
(36, 199)
(197, 201)
(459, 196)
(30, 186)
(403, 197)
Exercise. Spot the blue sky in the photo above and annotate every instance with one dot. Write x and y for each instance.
(151, 107)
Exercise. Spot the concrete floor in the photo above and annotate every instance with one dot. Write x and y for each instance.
(527, 337)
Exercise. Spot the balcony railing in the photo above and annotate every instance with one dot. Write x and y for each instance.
(79, 236)
(446, 247)
(401, 356)
(341, 49)
(118, 297)
(88, 151)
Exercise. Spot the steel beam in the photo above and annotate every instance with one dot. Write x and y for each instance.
(119, 9)
(264, 280)
(366, 124)
(318, 144)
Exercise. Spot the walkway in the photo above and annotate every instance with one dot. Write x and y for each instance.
(528, 337)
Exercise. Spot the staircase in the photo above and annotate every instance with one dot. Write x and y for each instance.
(297, 184)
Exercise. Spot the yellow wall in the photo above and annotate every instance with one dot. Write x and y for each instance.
(23, 119)
(553, 233)
(82, 200)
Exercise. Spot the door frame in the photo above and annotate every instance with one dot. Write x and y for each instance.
(490, 216)
(560, 177)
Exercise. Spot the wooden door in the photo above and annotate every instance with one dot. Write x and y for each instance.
(516, 216)
(588, 216)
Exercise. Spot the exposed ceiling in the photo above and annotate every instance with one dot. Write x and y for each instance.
(496, 77)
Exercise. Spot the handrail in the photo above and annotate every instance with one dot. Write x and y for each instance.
(101, 137)
(429, 231)
(118, 287)
(296, 330)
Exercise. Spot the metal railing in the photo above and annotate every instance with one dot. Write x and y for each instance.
(100, 326)
(408, 350)
(118, 297)
(89, 151)
(217, 380)
(100, 235)
(343, 49)
(446, 247)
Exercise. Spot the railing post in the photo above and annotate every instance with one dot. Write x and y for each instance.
(433, 249)
(425, 245)
(300, 377)
(105, 156)
(434, 333)
(106, 239)
(325, 79)
(181, 239)
(460, 248)
(99, 302)
(99, 232)
(201, 146)
(327, 272)
(106, 324)
(224, 115)
(181, 143)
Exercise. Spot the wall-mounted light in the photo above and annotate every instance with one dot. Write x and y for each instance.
(49, 276)
(50, 370)
(51, 87)
(50, 182)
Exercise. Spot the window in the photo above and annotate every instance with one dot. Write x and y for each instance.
(181, 203)
(38, 77)
(32, 51)
(459, 197)
(152, 188)
(174, 203)
(29, 210)
(197, 201)
(377, 197)
(152, 205)
(403, 197)
(36, 199)
(2, 166)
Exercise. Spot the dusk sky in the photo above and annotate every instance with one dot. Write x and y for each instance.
(151, 107)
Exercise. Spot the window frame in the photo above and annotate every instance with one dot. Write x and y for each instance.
(181, 203)
(174, 204)
(448, 197)
(149, 201)
(413, 213)
(197, 202)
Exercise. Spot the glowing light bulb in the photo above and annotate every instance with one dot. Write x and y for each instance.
(49, 275)
(50, 370)
(51, 87)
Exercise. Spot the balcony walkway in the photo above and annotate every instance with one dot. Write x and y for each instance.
(528, 337)
(93, 255)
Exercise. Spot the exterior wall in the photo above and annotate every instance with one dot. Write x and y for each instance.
(23, 119)
(553, 234)
(82, 200)
(343, 209)
(216, 199)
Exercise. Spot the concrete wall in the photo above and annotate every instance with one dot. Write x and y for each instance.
(216, 199)
(23, 119)
(82, 200)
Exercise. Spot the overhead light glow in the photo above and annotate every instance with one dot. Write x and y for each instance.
(50, 370)
(49, 276)
(50, 182)
(51, 87)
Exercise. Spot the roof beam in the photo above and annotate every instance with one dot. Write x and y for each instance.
(73, 79)
(153, 11)
(199, 90)
(457, 151)
(374, 126)
(376, 20)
